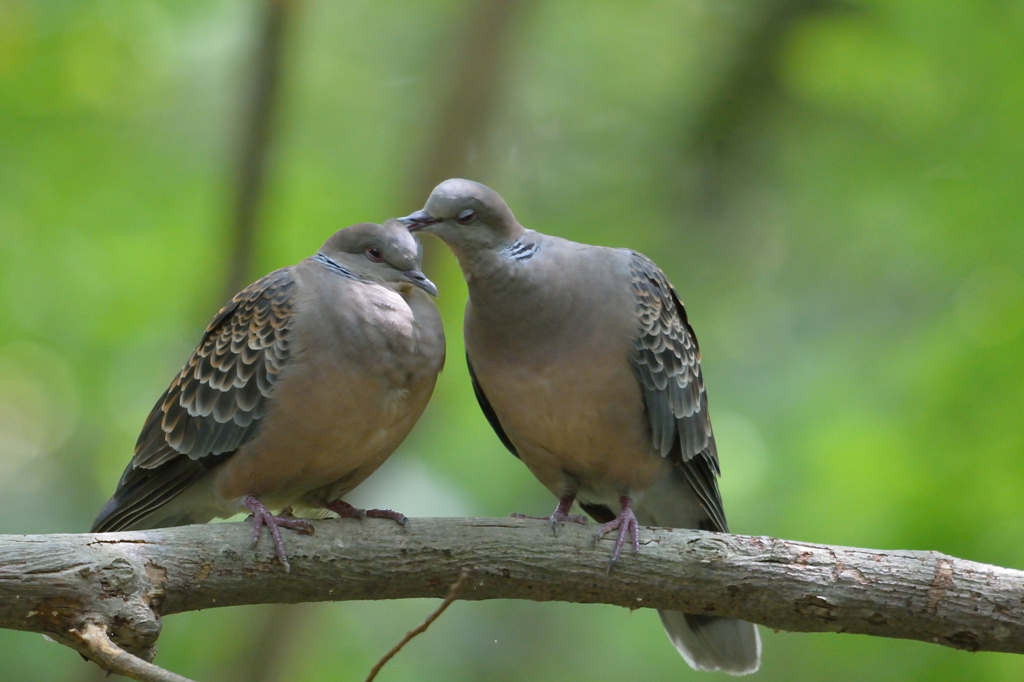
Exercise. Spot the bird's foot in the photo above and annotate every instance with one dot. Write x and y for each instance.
(347, 511)
(627, 525)
(560, 515)
(262, 516)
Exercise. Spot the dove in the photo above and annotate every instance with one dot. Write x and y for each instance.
(584, 363)
(301, 387)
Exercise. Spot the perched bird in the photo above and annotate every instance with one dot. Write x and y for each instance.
(584, 364)
(299, 389)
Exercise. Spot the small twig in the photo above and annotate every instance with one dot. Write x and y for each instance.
(98, 647)
(453, 594)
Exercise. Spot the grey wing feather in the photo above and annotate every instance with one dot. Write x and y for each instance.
(666, 360)
(213, 406)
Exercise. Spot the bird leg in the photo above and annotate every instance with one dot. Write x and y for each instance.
(262, 516)
(626, 524)
(347, 511)
(560, 515)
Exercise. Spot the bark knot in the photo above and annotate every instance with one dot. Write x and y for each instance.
(942, 581)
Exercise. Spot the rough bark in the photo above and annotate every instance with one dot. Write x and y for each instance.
(124, 582)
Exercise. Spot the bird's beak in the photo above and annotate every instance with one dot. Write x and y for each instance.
(418, 220)
(418, 279)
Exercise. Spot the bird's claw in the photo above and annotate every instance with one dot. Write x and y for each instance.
(560, 515)
(556, 518)
(626, 524)
(261, 516)
(347, 511)
(398, 517)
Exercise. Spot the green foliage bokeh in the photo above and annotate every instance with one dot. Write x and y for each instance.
(852, 261)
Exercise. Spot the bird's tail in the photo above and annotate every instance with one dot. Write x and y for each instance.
(705, 642)
(714, 643)
(157, 498)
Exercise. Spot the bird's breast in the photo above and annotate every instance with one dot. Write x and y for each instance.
(358, 381)
(581, 418)
(399, 340)
(552, 355)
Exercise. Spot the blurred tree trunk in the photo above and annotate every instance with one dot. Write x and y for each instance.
(471, 85)
(259, 660)
(745, 92)
(256, 144)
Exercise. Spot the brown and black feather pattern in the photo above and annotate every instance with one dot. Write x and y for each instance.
(213, 406)
(666, 360)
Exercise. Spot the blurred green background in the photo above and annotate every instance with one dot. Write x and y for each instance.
(835, 188)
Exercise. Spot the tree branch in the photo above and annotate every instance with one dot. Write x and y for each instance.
(124, 582)
(96, 645)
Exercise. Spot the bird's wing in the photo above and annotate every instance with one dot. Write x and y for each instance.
(485, 406)
(666, 360)
(214, 405)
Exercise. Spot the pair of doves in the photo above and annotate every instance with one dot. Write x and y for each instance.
(581, 357)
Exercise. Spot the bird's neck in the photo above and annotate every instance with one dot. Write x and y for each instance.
(491, 270)
(485, 271)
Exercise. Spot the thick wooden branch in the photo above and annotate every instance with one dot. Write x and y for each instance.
(124, 582)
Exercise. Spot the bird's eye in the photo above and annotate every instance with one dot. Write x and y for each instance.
(374, 254)
(466, 216)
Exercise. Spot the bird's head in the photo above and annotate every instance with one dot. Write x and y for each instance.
(468, 216)
(386, 253)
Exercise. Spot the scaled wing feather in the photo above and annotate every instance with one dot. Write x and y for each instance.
(215, 403)
(213, 406)
(666, 360)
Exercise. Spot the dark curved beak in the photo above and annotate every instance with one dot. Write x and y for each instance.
(418, 220)
(418, 279)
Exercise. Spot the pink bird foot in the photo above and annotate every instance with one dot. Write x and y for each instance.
(626, 524)
(262, 516)
(347, 511)
(560, 515)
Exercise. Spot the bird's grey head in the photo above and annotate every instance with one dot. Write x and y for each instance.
(468, 216)
(384, 253)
